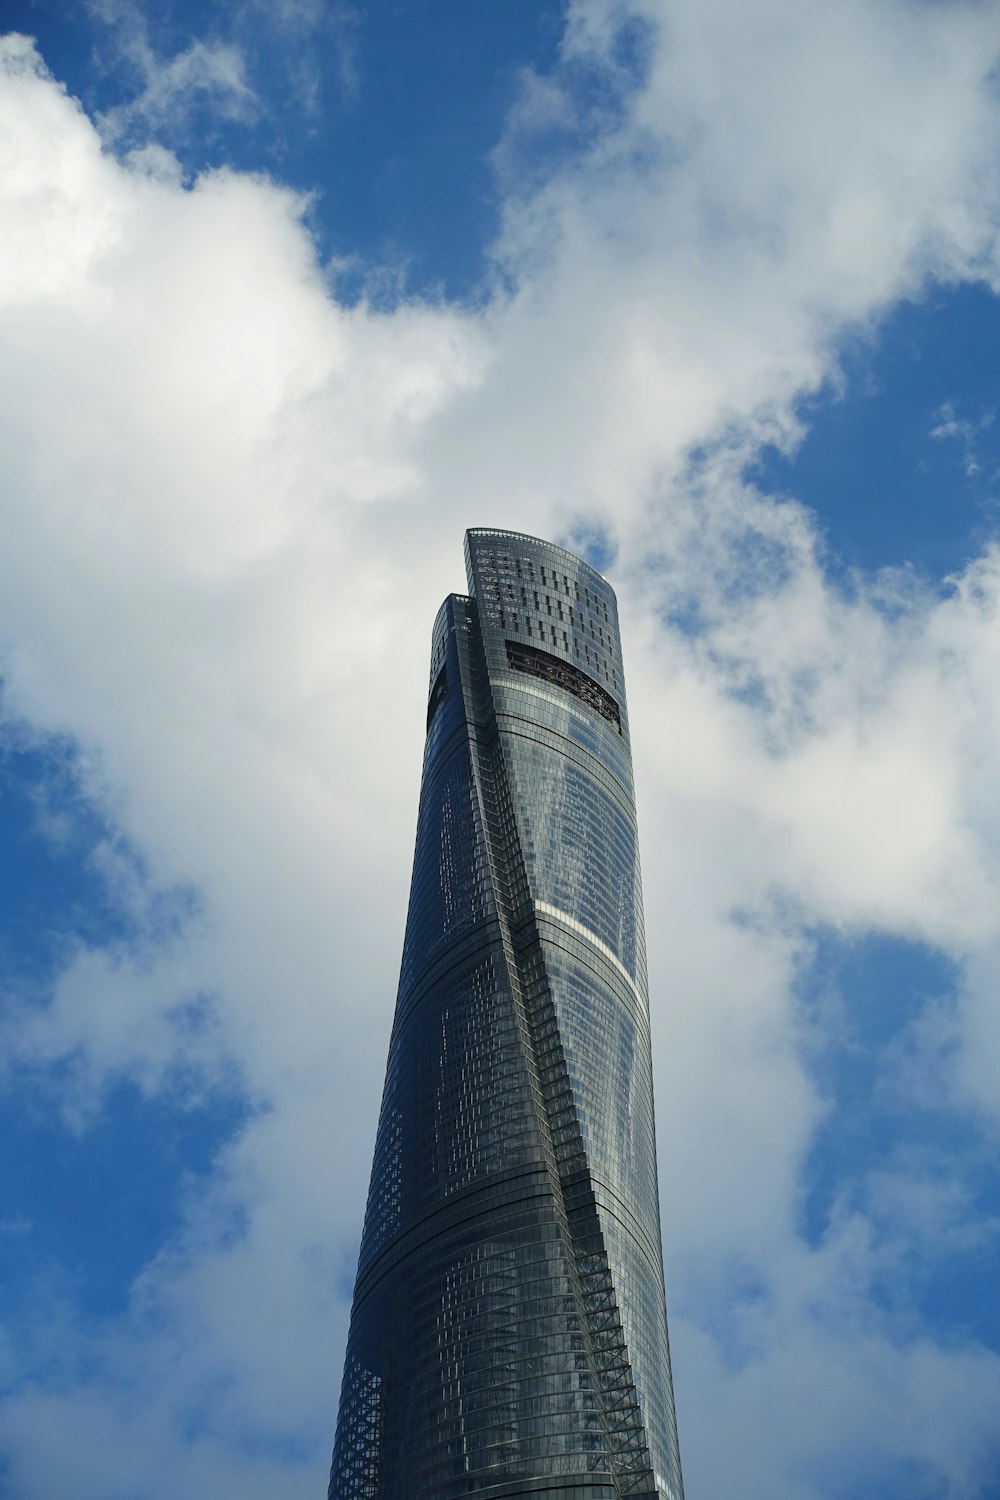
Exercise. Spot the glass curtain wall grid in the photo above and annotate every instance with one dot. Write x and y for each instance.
(508, 1335)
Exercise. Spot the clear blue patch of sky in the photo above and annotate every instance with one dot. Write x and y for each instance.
(53, 894)
(961, 1292)
(48, 895)
(96, 1206)
(870, 989)
(412, 97)
(594, 545)
(93, 1207)
(885, 491)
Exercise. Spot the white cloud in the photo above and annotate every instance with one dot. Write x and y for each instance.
(222, 78)
(838, 1404)
(231, 509)
(209, 75)
(215, 75)
(949, 425)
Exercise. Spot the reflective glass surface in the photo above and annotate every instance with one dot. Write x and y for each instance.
(508, 1336)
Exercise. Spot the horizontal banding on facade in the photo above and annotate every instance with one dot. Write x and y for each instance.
(508, 1336)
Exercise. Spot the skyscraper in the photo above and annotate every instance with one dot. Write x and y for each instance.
(508, 1335)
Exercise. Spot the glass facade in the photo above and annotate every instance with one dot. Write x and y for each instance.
(508, 1336)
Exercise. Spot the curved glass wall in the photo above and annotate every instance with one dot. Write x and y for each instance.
(508, 1335)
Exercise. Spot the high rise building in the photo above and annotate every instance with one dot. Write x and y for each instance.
(508, 1336)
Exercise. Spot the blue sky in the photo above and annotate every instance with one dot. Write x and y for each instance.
(290, 295)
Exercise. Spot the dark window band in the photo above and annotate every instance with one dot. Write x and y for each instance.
(549, 668)
(437, 693)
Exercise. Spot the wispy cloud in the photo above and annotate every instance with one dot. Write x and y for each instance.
(949, 425)
(204, 75)
(225, 73)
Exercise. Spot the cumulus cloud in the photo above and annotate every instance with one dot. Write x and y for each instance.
(232, 506)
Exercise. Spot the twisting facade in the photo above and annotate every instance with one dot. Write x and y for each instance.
(508, 1337)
